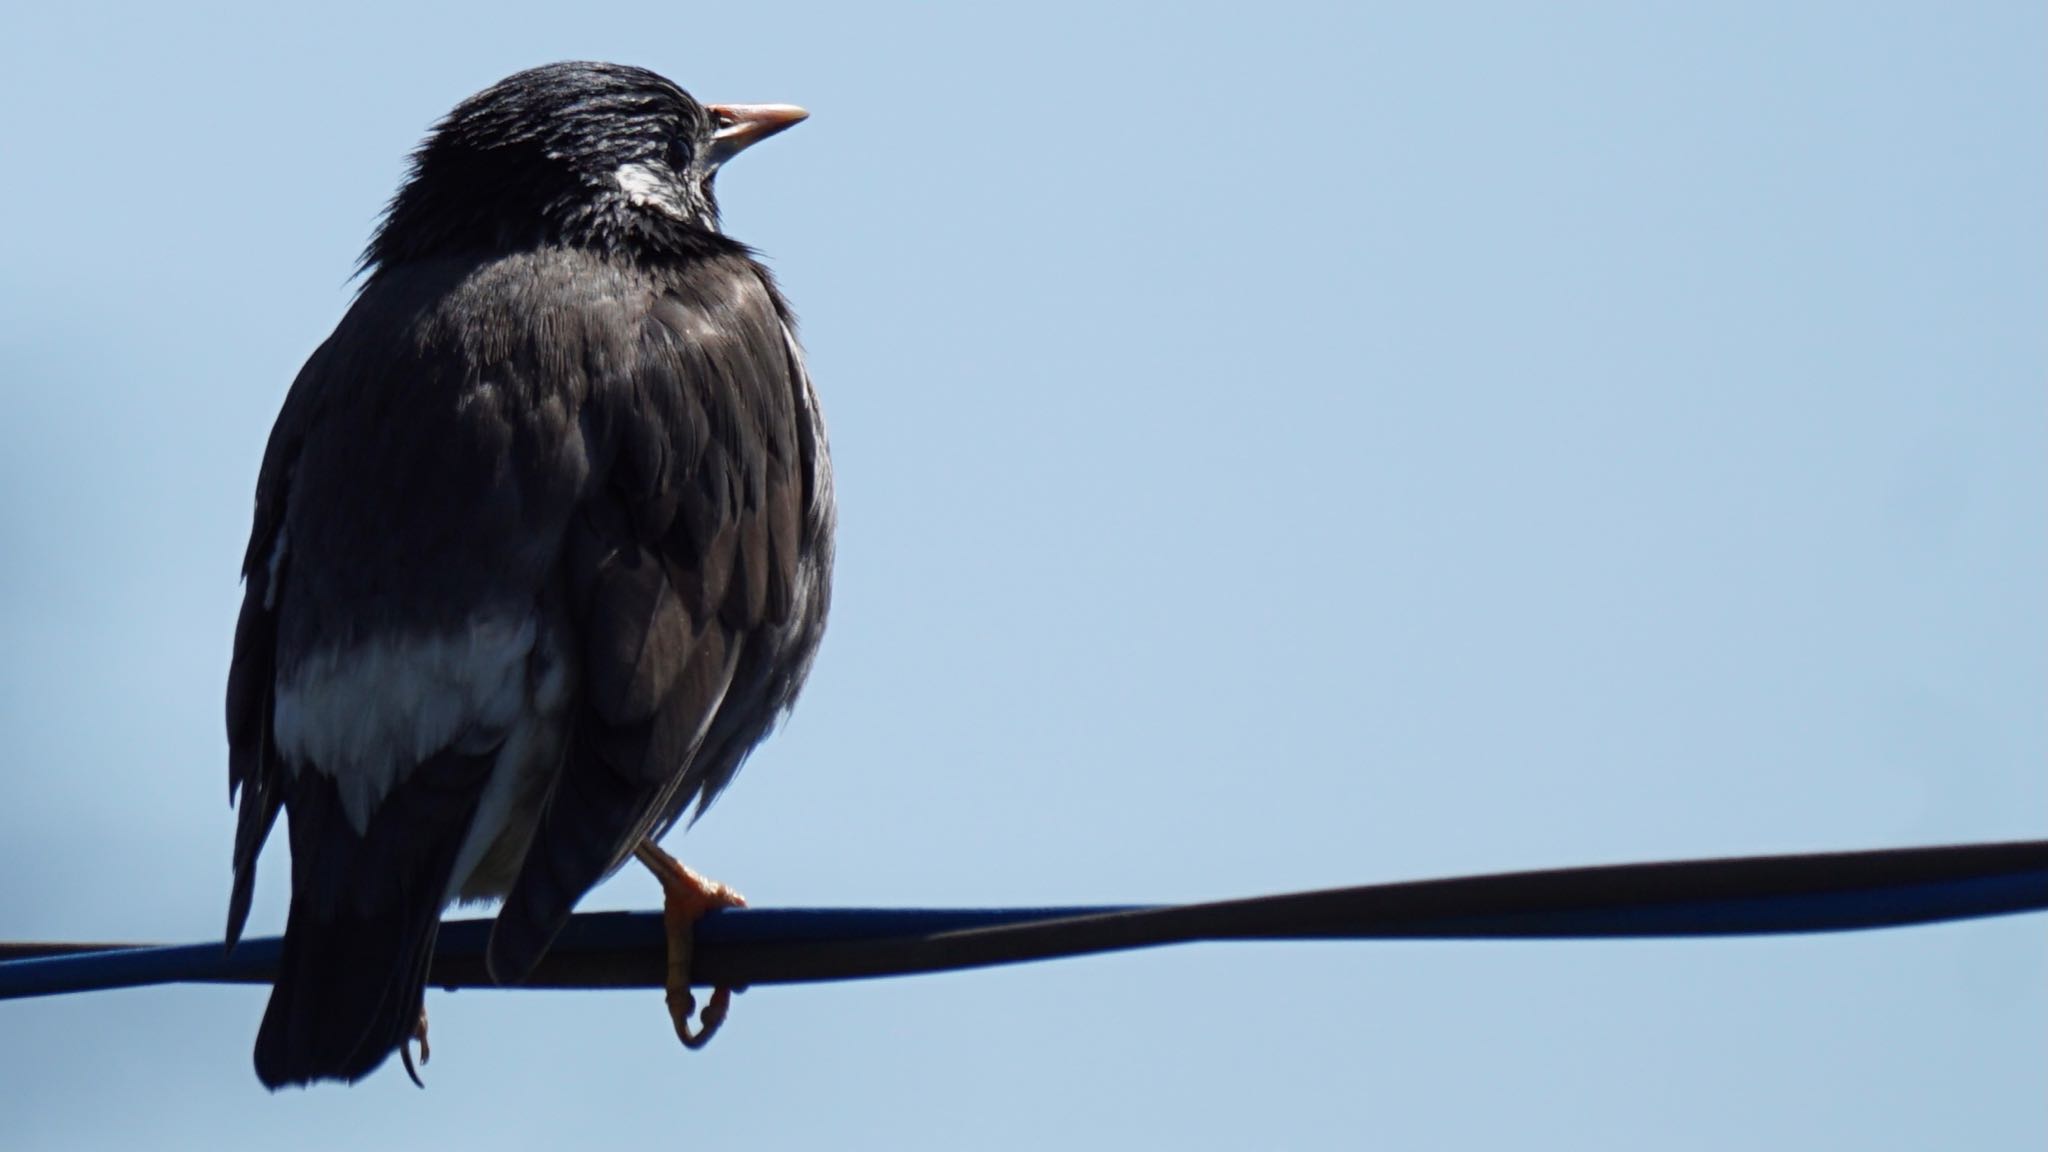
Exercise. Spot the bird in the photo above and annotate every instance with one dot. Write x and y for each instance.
(541, 550)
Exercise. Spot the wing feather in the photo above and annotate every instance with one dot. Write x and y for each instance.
(684, 556)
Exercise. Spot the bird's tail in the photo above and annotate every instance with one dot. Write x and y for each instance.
(365, 911)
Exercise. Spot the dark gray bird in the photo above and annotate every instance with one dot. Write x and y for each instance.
(542, 548)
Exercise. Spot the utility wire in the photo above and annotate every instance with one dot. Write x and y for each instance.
(1759, 895)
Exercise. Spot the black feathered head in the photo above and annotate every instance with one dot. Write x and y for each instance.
(592, 155)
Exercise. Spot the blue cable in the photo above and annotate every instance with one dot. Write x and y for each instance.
(1746, 896)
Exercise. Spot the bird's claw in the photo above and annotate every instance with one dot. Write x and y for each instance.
(680, 1008)
(686, 897)
(426, 1051)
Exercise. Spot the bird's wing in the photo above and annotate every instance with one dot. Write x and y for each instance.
(254, 770)
(342, 526)
(693, 583)
(412, 503)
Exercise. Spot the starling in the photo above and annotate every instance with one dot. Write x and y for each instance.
(542, 549)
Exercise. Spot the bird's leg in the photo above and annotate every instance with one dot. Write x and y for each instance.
(685, 898)
(419, 1033)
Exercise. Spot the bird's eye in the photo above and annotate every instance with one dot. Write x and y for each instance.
(679, 152)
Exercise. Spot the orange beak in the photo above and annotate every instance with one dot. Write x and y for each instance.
(743, 125)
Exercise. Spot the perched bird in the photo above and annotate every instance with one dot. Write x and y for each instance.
(542, 549)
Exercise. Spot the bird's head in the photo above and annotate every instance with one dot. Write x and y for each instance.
(594, 155)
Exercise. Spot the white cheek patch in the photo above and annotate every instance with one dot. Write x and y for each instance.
(366, 714)
(647, 187)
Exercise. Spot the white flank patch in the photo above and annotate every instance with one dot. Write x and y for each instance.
(366, 714)
(533, 748)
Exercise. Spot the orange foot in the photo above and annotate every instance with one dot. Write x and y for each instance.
(686, 897)
(419, 1033)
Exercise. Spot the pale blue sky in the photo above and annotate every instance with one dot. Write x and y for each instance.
(1279, 447)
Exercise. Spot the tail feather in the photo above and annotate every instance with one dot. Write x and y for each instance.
(365, 913)
(348, 993)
